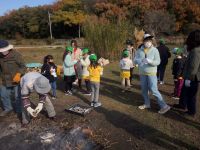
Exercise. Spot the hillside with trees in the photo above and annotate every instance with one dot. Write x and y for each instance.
(68, 17)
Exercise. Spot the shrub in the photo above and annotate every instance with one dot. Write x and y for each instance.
(105, 38)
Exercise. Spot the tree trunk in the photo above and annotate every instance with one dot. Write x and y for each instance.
(79, 31)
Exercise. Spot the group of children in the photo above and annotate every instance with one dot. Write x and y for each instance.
(82, 66)
(127, 65)
(75, 69)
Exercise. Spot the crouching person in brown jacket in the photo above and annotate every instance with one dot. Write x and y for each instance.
(11, 67)
(34, 81)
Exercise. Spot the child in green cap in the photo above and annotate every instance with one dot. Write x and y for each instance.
(177, 72)
(95, 71)
(125, 65)
(69, 71)
(85, 62)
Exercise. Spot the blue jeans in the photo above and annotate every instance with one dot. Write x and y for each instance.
(53, 88)
(7, 93)
(149, 83)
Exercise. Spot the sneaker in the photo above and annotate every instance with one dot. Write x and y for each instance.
(92, 104)
(5, 113)
(86, 93)
(164, 110)
(97, 104)
(68, 93)
(123, 91)
(161, 82)
(75, 83)
(175, 97)
(53, 97)
(128, 89)
(143, 107)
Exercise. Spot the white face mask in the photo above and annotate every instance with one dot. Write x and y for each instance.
(5, 53)
(147, 44)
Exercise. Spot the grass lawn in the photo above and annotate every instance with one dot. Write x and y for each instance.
(118, 124)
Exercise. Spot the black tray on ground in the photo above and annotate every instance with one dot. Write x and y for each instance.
(79, 109)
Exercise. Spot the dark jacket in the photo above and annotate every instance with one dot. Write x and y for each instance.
(45, 71)
(10, 65)
(192, 66)
(164, 54)
(178, 67)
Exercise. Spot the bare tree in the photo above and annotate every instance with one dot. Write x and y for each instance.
(158, 21)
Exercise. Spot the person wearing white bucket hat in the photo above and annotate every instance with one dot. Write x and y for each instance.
(148, 58)
(12, 68)
(34, 81)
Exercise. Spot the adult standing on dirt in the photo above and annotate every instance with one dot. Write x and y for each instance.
(164, 56)
(12, 67)
(34, 81)
(191, 74)
(148, 58)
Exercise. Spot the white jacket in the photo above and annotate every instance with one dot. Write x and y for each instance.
(85, 63)
(126, 64)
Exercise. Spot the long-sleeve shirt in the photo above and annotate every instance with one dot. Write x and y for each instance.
(49, 71)
(26, 84)
(68, 65)
(178, 67)
(95, 73)
(192, 65)
(164, 54)
(151, 54)
(126, 64)
(85, 63)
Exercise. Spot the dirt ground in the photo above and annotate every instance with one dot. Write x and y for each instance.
(118, 124)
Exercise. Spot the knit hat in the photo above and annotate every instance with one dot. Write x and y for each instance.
(93, 57)
(5, 46)
(69, 48)
(162, 41)
(85, 50)
(125, 53)
(147, 37)
(41, 85)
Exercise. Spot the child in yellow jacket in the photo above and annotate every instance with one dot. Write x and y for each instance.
(95, 71)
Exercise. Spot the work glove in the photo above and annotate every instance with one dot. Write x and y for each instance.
(17, 78)
(149, 61)
(31, 111)
(38, 108)
(144, 61)
(187, 83)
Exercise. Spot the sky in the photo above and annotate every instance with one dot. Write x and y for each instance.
(7, 5)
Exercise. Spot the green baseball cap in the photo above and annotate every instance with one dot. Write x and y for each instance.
(69, 48)
(85, 50)
(179, 51)
(162, 41)
(125, 53)
(93, 57)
